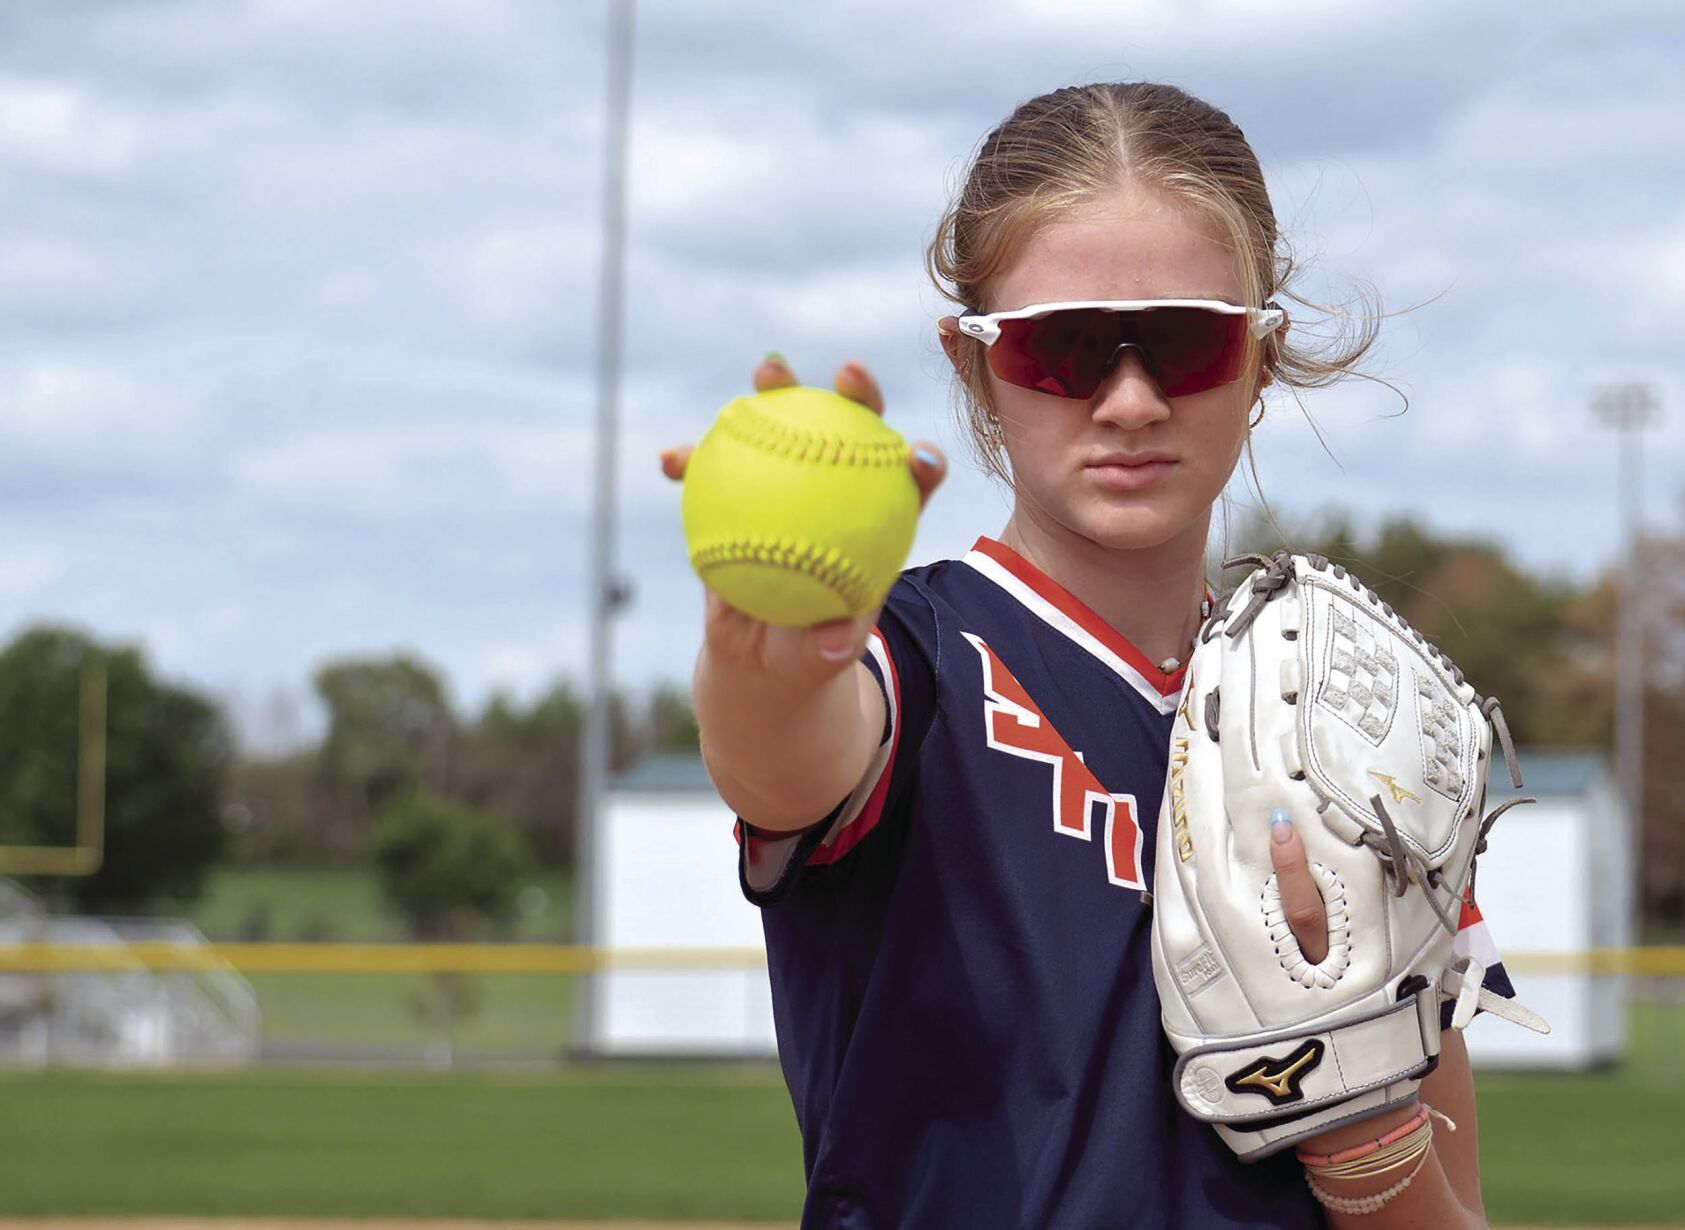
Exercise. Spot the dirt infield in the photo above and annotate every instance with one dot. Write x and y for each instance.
(306, 1223)
(243, 1223)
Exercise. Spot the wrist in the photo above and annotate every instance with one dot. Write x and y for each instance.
(1365, 1177)
(1349, 1135)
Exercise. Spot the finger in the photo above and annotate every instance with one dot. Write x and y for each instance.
(773, 373)
(930, 467)
(842, 640)
(674, 460)
(810, 656)
(1301, 901)
(854, 382)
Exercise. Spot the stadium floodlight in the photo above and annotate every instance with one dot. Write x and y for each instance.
(83, 858)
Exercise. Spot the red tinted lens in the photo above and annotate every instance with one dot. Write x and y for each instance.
(1068, 353)
(1189, 350)
(1063, 353)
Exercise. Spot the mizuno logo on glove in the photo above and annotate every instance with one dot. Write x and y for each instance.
(1399, 793)
(1278, 1079)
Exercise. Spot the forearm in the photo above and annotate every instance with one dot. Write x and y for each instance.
(782, 755)
(1446, 1191)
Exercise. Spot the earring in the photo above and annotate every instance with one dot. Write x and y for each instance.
(1257, 418)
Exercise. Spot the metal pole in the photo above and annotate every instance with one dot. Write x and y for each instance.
(606, 594)
(1629, 408)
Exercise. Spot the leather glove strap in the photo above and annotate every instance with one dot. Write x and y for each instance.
(1288, 1073)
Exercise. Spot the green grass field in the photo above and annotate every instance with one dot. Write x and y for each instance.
(607, 1142)
(388, 1015)
(344, 904)
(617, 1141)
(665, 1142)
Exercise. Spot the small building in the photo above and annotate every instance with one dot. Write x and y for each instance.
(1556, 889)
(687, 972)
(688, 959)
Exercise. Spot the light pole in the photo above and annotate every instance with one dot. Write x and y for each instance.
(1629, 408)
(606, 592)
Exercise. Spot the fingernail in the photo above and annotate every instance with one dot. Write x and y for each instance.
(836, 644)
(772, 356)
(928, 458)
(1281, 825)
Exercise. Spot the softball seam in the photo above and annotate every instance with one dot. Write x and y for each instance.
(825, 566)
(759, 430)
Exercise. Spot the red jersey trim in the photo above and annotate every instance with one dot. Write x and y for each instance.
(1078, 612)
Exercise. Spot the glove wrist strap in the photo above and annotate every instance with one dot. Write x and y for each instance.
(1277, 1077)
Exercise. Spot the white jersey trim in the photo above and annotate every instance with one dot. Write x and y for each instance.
(1063, 623)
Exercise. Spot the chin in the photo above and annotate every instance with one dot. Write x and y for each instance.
(1135, 529)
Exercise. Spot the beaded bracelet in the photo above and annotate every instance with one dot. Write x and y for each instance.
(1360, 1205)
(1408, 1142)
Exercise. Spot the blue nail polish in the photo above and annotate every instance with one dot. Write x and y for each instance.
(928, 457)
(1280, 816)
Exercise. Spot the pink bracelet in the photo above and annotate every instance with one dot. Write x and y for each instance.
(1364, 1150)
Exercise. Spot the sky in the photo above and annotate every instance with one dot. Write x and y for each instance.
(298, 298)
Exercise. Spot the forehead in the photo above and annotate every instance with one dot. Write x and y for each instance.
(1133, 243)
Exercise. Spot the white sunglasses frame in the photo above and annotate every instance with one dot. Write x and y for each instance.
(986, 328)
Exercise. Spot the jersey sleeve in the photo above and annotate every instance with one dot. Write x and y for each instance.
(902, 655)
(1474, 940)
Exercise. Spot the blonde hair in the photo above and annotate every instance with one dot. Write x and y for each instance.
(1066, 149)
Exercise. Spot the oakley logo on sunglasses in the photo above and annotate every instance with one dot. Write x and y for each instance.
(1068, 349)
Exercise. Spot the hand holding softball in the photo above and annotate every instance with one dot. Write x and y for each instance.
(785, 650)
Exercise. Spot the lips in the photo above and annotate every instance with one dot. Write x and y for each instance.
(1132, 459)
(1130, 471)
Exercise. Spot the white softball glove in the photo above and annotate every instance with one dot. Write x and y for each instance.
(1307, 692)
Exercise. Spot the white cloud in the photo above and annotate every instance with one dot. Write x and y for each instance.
(27, 573)
(312, 285)
(423, 471)
(71, 413)
(56, 126)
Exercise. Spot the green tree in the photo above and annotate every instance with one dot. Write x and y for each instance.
(450, 870)
(1511, 633)
(167, 756)
(671, 721)
(389, 723)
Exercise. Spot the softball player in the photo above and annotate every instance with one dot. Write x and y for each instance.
(947, 811)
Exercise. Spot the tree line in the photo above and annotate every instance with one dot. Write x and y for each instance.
(403, 781)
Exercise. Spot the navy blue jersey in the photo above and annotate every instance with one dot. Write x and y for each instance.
(960, 956)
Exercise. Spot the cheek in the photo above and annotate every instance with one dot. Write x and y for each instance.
(1034, 432)
(1216, 429)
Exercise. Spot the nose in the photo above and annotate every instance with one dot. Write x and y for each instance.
(1129, 396)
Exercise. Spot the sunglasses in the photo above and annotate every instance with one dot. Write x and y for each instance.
(1068, 349)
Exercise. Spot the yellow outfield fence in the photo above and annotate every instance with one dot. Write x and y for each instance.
(374, 958)
(328, 958)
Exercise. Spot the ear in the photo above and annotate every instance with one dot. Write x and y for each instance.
(1266, 372)
(948, 329)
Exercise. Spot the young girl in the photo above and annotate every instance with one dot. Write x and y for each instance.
(958, 942)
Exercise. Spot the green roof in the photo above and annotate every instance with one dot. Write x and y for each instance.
(665, 773)
(1546, 771)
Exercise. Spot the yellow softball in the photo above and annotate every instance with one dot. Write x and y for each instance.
(799, 507)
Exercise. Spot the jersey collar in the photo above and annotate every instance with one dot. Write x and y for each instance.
(1063, 611)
